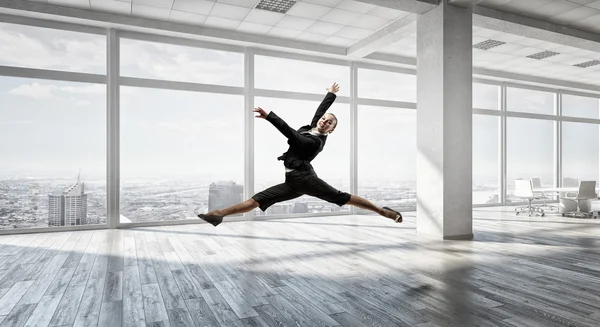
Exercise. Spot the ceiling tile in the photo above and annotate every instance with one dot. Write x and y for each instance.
(295, 23)
(325, 28)
(338, 41)
(387, 13)
(506, 37)
(187, 17)
(489, 34)
(583, 2)
(529, 42)
(520, 6)
(150, 12)
(547, 46)
(284, 32)
(155, 3)
(241, 3)
(224, 23)
(229, 11)
(308, 10)
(254, 28)
(563, 58)
(587, 54)
(264, 17)
(355, 6)
(328, 3)
(552, 9)
(370, 22)
(195, 6)
(565, 49)
(526, 51)
(339, 16)
(354, 33)
(580, 13)
(311, 37)
(507, 48)
(594, 4)
(118, 7)
(494, 56)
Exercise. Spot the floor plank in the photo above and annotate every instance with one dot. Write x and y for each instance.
(133, 300)
(18, 316)
(89, 309)
(154, 307)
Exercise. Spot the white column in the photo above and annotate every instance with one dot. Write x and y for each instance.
(444, 123)
(248, 128)
(112, 131)
(353, 132)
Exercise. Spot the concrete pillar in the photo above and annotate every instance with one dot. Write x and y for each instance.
(444, 123)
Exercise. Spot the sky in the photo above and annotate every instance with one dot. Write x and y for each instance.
(51, 127)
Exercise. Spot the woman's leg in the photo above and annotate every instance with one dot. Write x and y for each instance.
(363, 203)
(242, 207)
(314, 186)
(278, 193)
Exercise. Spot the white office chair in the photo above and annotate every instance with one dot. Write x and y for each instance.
(537, 184)
(569, 182)
(587, 191)
(524, 189)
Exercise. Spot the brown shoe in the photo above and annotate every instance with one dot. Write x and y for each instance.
(398, 218)
(213, 220)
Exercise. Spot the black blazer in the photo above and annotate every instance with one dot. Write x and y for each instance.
(304, 147)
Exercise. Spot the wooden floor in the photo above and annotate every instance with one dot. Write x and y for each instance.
(333, 271)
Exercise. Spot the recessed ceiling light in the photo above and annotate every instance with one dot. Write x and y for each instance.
(488, 44)
(588, 63)
(280, 6)
(542, 55)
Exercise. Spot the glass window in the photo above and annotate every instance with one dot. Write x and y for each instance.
(53, 166)
(180, 63)
(524, 100)
(387, 152)
(332, 164)
(486, 185)
(299, 76)
(383, 85)
(486, 96)
(580, 151)
(45, 48)
(530, 152)
(582, 107)
(182, 153)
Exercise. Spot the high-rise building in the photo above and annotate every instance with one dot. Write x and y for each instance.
(300, 207)
(224, 194)
(34, 193)
(69, 207)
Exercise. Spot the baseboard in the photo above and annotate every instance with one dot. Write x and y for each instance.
(465, 237)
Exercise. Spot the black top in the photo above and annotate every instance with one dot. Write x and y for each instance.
(304, 146)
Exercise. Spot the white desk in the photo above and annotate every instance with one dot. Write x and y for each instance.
(560, 189)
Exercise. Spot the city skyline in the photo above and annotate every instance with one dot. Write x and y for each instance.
(174, 144)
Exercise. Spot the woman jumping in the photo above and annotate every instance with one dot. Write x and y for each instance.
(300, 178)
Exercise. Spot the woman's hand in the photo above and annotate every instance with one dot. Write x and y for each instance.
(334, 88)
(262, 113)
